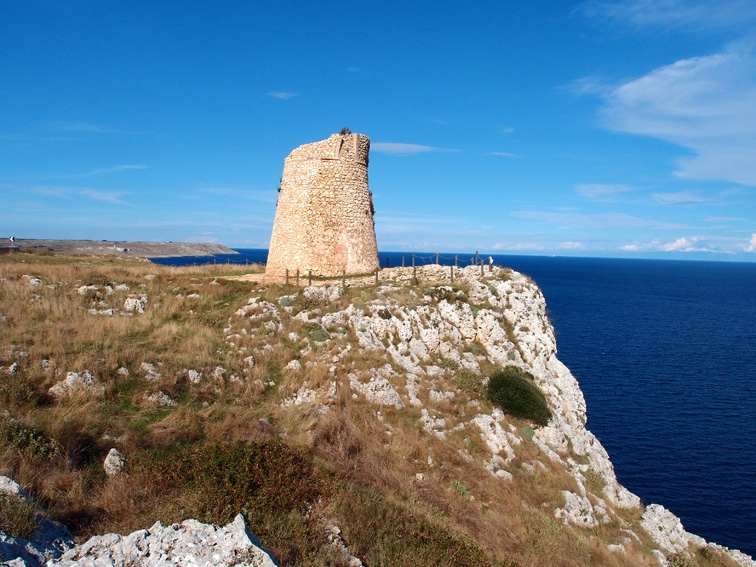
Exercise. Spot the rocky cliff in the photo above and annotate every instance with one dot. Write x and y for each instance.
(409, 360)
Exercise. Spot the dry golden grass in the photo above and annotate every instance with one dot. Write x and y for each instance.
(361, 462)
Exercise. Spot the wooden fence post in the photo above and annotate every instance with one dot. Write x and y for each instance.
(297, 277)
(456, 261)
(343, 280)
(452, 273)
(309, 279)
(436, 258)
(287, 276)
(376, 276)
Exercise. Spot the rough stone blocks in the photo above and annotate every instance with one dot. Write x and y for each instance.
(324, 218)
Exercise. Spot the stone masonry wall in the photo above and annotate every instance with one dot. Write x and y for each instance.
(324, 218)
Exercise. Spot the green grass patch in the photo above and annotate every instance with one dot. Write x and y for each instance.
(385, 533)
(17, 517)
(515, 392)
(28, 440)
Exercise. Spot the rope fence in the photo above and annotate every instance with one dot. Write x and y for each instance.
(407, 261)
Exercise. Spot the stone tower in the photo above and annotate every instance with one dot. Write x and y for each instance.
(324, 218)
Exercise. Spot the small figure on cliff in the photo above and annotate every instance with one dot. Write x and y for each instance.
(345, 131)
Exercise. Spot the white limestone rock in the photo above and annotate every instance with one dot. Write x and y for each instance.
(85, 289)
(378, 389)
(136, 303)
(185, 544)
(579, 511)
(667, 530)
(193, 376)
(293, 366)
(76, 382)
(150, 371)
(434, 426)
(160, 399)
(50, 541)
(323, 293)
(498, 440)
(114, 463)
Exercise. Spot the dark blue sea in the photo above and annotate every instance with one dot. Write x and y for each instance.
(665, 353)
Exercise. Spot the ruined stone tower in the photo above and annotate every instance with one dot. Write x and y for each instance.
(324, 218)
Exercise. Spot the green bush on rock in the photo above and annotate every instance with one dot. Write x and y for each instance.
(515, 392)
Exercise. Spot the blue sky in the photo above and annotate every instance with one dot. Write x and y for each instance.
(597, 128)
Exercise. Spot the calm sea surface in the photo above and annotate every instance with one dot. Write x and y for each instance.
(665, 353)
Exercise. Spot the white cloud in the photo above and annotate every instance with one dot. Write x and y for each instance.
(519, 247)
(679, 244)
(80, 126)
(283, 95)
(504, 154)
(705, 104)
(699, 15)
(100, 171)
(752, 244)
(603, 220)
(399, 149)
(724, 219)
(571, 245)
(680, 198)
(716, 245)
(593, 190)
(104, 196)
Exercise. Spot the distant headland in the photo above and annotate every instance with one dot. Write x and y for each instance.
(100, 247)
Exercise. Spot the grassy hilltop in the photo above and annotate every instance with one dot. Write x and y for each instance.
(307, 411)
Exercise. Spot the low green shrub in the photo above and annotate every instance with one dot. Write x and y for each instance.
(34, 443)
(17, 517)
(515, 392)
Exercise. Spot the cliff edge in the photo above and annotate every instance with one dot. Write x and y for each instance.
(384, 386)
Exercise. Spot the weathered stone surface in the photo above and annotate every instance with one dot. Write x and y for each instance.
(50, 541)
(324, 218)
(136, 302)
(114, 462)
(185, 544)
(76, 382)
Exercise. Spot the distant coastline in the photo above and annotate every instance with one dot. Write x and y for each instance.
(102, 247)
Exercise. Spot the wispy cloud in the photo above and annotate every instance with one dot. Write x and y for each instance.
(248, 194)
(752, 244)
(569, 245)
(104, 196)
(505, 154)
(602, 220)
(724, 219)
(594, 190)
(81, 126)
(400, 149)
(689, 244)
(283, 95)
(100, 171)
(680, 198)
(518, 247)
(593, 85)
(695, 15)
(705, 104)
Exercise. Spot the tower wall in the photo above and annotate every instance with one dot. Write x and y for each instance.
(324, 218)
